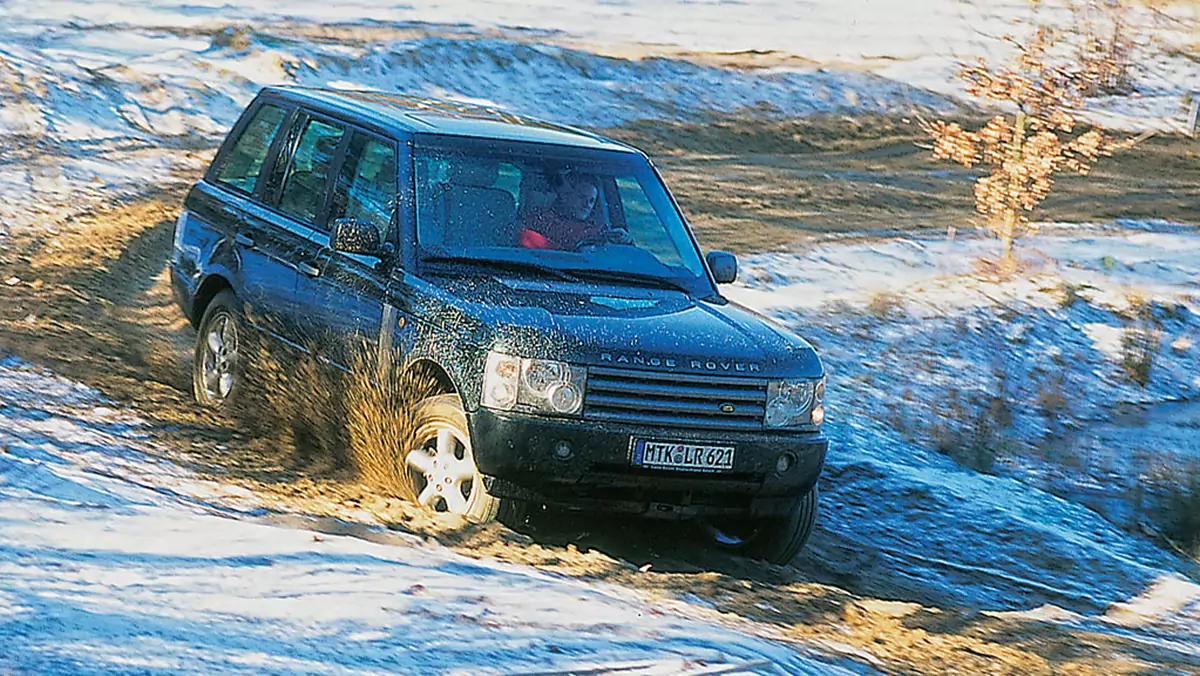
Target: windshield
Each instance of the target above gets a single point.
(585, 211)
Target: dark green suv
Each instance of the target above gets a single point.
(546, 276)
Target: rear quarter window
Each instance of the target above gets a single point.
(241, 167)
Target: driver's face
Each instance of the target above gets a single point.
(578, 198)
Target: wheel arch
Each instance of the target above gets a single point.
(209, 288)
(443, 383)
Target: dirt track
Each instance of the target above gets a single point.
(92, 303)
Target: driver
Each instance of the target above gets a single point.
(566, 224)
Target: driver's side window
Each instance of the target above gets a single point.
(366, 188)
(643, 224)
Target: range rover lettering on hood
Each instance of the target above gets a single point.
(672, 363)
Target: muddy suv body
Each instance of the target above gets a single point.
(608, 374)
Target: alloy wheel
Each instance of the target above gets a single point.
(219, 358)
(442, 469)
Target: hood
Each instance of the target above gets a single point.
(605, 324)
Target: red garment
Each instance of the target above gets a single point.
(550, 230)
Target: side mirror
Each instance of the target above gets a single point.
(355, 237)
(723, 266)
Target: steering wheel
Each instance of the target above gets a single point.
(604, 238)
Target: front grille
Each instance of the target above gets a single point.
(675, 399)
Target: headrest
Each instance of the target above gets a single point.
(327, 144)
(475, 172)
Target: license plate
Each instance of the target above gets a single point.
(674, 455)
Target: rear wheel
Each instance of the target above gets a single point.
(776, 540)
(441, 465)
(221, 354)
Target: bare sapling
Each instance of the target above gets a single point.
(1043, 88)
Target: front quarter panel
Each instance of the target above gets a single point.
(430, 329)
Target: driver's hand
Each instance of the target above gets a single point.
(610, 236)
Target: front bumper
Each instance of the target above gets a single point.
(516, 454)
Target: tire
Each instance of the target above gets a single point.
(441, 466)
(515, 513)
(775, 540)
(223, 350)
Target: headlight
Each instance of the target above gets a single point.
(537, 385)
(792, 403)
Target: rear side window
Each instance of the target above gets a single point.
(366, 187)
(245, 160)
(304, 187)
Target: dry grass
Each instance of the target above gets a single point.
(969, 428)
(1070, 294)
(755, 185)
(1140, 341)
(885, 305)
(1139, 345)
(297, 401)
(1052, 400)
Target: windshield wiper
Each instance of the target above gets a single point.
(627, 276)
(505, 264)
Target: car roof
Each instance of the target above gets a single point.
(427, 116)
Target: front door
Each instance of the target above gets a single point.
(345, 295)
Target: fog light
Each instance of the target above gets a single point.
(562, 450)
(564, 398)
(785, 462)
(818, 415)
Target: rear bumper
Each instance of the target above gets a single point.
(183, 292)
(516, 454)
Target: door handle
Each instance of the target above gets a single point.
(309, 269)
(234, 215)
(243, 240)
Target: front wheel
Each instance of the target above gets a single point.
(441, 465)
(776, 540)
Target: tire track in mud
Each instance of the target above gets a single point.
(93, 303)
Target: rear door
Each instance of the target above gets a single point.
(259, 259)
(298, 196)
(345, 295)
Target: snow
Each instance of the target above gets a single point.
(109, 563)
(929, 360)
(917, 43)
(131, 84)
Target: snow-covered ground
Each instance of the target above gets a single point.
(113, 561)
(922, 352)
(918, 42)
(1063, 324)
(103, 99)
